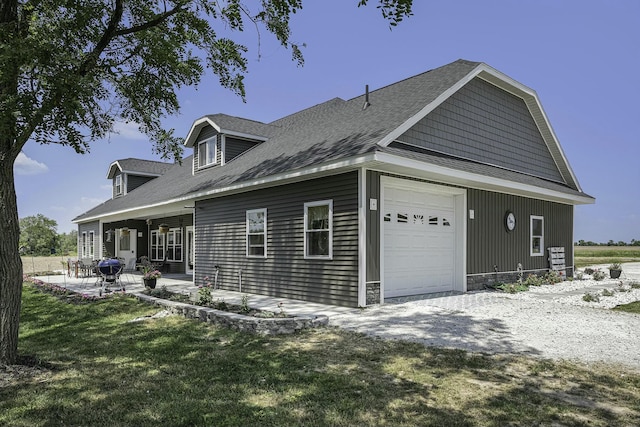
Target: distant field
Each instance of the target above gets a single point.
(584, 256)
(40, 264)
(589, 255)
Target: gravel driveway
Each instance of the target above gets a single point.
(549, 321)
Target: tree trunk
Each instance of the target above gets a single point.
(10, 266)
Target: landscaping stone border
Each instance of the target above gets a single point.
(240, 322)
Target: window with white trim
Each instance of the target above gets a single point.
(318, 229)
(91, 245)
(257, 233)
(83, 245)
(157, 245)
(118, 185)
(537, 235)
(207, 152)
(174, 244)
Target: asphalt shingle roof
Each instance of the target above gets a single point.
(330, 131)
(146, 167)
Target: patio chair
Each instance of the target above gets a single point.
(129, 269)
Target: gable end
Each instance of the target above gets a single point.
(484, 123)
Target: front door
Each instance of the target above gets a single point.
(127, 244)
(190, 250)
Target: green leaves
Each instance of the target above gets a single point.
(72, 69)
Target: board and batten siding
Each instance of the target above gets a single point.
(484, 123)
(489, 244)
(221, 241)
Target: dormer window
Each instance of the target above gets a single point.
(207, 152)
(118, 189)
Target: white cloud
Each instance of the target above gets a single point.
(27, 166)
(129, 131)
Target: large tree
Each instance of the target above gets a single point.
(70, 69)
(38, 235)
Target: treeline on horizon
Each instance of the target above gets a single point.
(633, 242)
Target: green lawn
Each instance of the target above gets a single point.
(592, 255)
(108, 371)
(633, 307)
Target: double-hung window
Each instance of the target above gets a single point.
(83, 245)
(174, 244)
(207, 152)
(118, 185)
(91, 245)
(257, 233)
(318, 229)
(157, 245)
(537, 235)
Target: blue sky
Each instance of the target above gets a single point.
(581, 57)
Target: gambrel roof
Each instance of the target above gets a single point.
(340, 135)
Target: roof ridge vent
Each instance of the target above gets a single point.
(366, 97)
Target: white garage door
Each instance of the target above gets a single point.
(419, 240)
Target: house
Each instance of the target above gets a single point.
(444, 181)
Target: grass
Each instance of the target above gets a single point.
(633, 307)
(107, 371)
(593, 255)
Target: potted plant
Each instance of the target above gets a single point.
(150, 277)
(150, 274)
(615, 270)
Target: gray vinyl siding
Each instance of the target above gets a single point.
(489, 244)
(487, 124)
(221, 240)
(234, 147)
(135, 181)
(97, 240)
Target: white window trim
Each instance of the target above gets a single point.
(83, 245)
(264, 232)
(533, 218)
(306, 209)
(174, 245)
(91, 245)
(160, 238)
(119, 185)
(214, 140)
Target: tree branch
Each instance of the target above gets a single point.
(92, 58)
(159, 19)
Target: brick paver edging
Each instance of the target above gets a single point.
(239, 322)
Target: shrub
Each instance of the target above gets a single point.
(607, 293)
(598, 275)
(553, 277)
(244, 305)
(635, 285)
(533, 280)
(204, 295)
(511, 288)
(589, 297)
